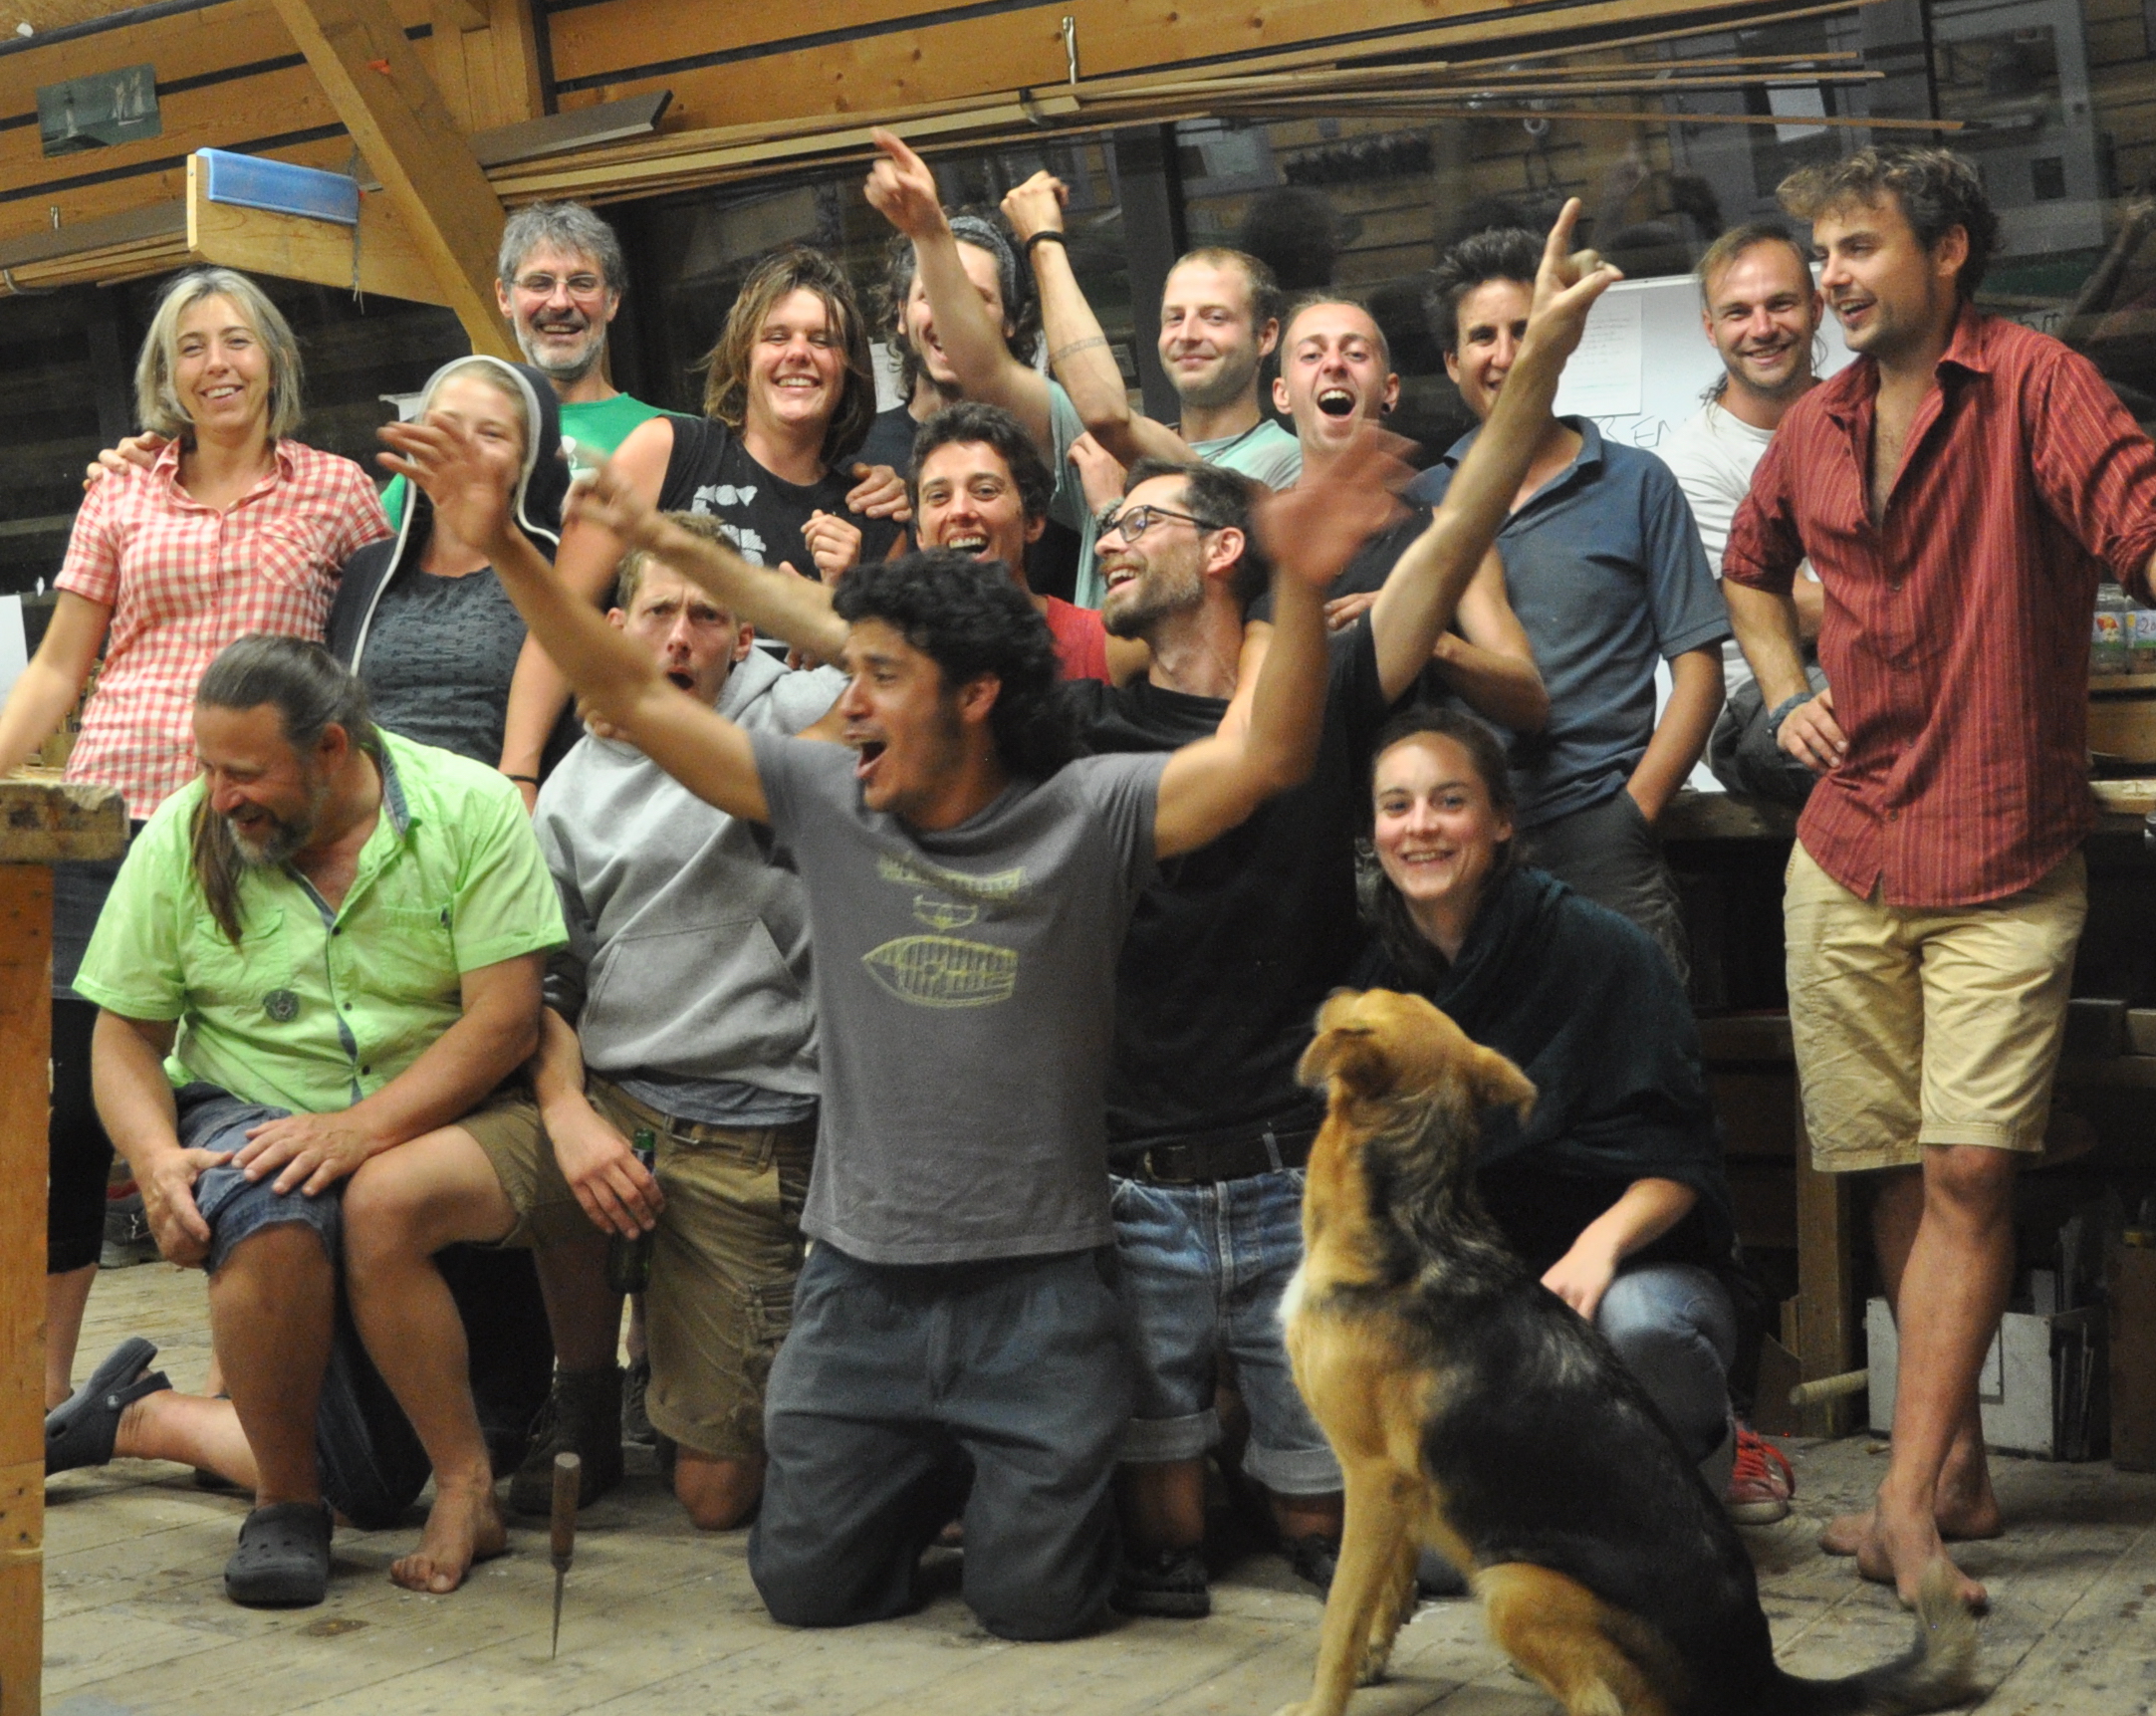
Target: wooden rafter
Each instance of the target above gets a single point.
(382, 94)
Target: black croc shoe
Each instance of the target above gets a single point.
(283, 1558)
(79, 1430)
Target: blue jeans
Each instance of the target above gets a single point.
(1204, 1268)
(372, 1464)
(1673, 1326)
(905, 1391)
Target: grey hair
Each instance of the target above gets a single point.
(156, 403)
(566, 227)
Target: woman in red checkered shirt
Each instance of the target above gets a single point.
(232, 527)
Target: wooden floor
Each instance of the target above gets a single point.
(661, 1620)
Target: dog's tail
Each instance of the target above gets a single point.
(1937, 1673)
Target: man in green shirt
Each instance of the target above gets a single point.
(559, 278)
(319, 968)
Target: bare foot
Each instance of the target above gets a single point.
(1962, 1520)
(1899, 1549)
(464, 1526)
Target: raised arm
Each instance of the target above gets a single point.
(1488, 661)
(1423, 591)
(903, 192)
(585, 562)
(1079, 351)
(1311, 532)
(622, 683)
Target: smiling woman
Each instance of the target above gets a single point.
(232, 528)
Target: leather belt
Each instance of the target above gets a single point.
(1226, 1156)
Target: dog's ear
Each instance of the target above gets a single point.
(1350, 1056)
(1498, 1083)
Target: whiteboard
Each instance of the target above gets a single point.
(1644, 361)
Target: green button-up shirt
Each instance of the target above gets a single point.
(314, 1009)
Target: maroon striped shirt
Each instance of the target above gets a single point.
(1955, 632)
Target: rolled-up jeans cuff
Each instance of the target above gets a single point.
(1293, 1471)
(1156, 1441)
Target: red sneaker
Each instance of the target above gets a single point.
(1761, 1481)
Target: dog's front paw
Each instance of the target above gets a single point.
(1374, 1662)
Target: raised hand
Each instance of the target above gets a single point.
(1313, 530)
(1037, 205)
(605, 499)
(902, 190)
(443, 457)
(1567, 285)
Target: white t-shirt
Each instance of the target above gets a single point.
(1713, 454)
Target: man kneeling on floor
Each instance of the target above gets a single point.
(317, 970)
(693, 1021)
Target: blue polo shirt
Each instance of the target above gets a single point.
(1605, 568)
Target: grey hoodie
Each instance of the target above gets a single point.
(688, 946)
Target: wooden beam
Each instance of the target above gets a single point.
(461, 15)
(1825, 1285)
(397, 116)
(26, 964)
(293, 247)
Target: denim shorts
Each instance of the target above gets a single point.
(373, 1466)
(1204, 1268)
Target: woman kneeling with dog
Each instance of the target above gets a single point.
(1613, 1191)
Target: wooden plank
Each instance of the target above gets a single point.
(44, 820)
(291, 247)
(1825, 1285)
(26, 970)
(396, 115)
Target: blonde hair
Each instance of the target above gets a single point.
(491, 371)
(158, 405)
(628, 576)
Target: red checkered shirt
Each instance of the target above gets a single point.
(182, 581)
(1956, 631)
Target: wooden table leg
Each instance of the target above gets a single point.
(26, 963)
(1826, 1286)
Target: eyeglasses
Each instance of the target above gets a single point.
(1134, 522)
(580, 285)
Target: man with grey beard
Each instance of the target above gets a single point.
(559, 278)
(316, 976)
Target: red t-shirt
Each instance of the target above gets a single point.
(1082, 641)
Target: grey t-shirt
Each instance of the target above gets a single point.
(440, 652)
(965, 989)
(1264, 452)
(1606, 571)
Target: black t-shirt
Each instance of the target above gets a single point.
(710, 472)
(1372, 564)
(890, 440)
(1231, 951)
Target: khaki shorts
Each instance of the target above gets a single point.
(722, 1275)
(507, 1127)
(1918, 1026)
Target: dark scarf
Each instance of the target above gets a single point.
(1584, 1004)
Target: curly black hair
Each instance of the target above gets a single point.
(968, 624)
(1497, 253)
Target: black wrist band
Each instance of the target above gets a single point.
(528, 779)
(1782, 708)
(1049, 237)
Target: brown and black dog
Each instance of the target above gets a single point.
(1473, 1411)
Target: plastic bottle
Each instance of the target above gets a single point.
(2111, 646)
(2141, 643)
(629, 1261)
